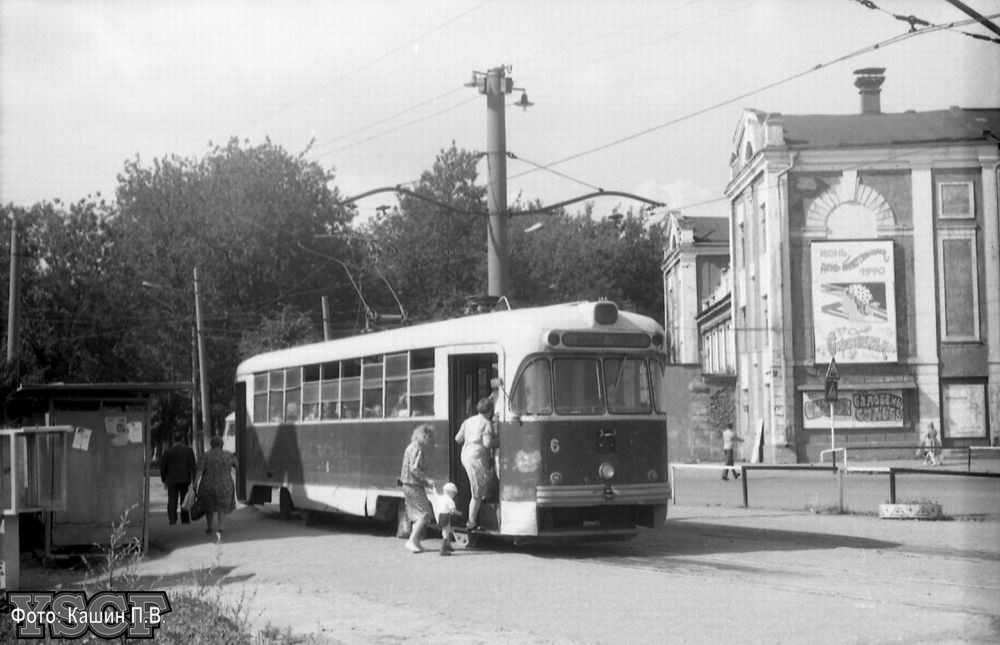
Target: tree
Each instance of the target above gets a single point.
(247, 216)
(73, 312)
(575, 257)
(288, 328)
(434, 257)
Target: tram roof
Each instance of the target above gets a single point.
(515, 329)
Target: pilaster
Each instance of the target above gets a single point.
(924, 311)
(991, 275)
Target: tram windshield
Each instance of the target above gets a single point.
(587, 386)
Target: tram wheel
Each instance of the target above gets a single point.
(285, 504)
(308, 518)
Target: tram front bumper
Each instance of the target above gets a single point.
(601, 495)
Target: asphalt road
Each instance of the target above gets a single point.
(717, 572)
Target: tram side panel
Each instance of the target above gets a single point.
(338, 467)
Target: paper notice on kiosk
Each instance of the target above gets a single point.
(81, 439)
(135, 431)
(117, 427)
(114, 425)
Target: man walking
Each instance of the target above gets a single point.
(729, 440)
(177, 470)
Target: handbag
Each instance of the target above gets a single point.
(197, 509)
(188, 500)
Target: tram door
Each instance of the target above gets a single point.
(469, 377)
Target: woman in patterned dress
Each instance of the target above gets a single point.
(216, 489)
(414, 479)
(477, 437)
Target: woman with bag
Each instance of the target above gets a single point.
(216, 490)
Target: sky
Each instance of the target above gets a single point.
(641, 96)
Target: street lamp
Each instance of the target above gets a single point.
(206, 422)
(496, 85)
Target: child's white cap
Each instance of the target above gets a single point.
(451, 488)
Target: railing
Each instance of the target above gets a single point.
(987, 449)
(891, 471)
(921, 471)
(786, 467)
(969, 450)
(885, 446)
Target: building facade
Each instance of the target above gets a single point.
(699, 342)
(871, 239)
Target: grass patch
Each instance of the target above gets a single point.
(199, 614)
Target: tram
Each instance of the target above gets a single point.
(579, 413)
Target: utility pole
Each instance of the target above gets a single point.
(14, 303)
(496, 196)
(206, 420)
(326, 317)
(10, 525)
(496, 85)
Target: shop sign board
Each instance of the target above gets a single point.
(853, 409)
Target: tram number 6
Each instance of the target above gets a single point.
(554, 445)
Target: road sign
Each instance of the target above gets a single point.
(832, 376)
(832, 373)
(831, 391)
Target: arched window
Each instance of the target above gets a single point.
(851, 220)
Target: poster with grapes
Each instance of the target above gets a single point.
(854, 301)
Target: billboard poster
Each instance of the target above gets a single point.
(854, 301)
(964, 407)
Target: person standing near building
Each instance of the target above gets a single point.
(729, 440)
(177, 470)
(930, 447)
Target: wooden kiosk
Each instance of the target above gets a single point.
(107, 459)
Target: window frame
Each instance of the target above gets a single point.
(970, 193)
(968, 235)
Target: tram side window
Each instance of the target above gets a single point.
(293, 393)
(578, 386)
(371, 387)
(533, 391)
(260, 397)
(350, 389)
(397, 367)
(627, 385)
(310, 392)
(329, 394)
(422, 383)
(276, 396)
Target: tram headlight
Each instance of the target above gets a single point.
(556, 478)
(606, 471)
(657, 339)
(553, 338)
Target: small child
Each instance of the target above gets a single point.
(445, 510)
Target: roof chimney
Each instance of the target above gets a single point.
(869, 82)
